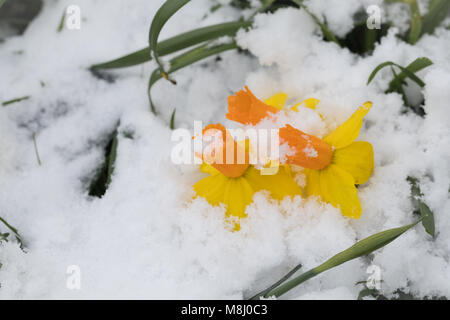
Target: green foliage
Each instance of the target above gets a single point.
(359, 249)
(102, 178)
(5, 103)
(188, 58)
(169, 8)
(397, 83)
(438, 10)
(176, 43)
(172, 119)
(425, 212)
(61, 22)
(5, 236)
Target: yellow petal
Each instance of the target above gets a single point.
(337, 187)
(312, 187)
(279, 185)
(211, 188)
(237, 195)
(277, 100)
(356, 159)
(347, 132)
(207, 168)
(309, 103)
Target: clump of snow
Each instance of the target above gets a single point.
(147, 237)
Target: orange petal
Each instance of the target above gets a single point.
(309, 151)
(232, 164)
(245, 108)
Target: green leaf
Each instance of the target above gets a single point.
(438, 10)
(415, 29)
(378, 68)
(161, 17)
(416, 22)
(2, 2)
(102, 178)
(425, 212)
(172, 119)
(61, 22)
(5, 103)
(413, 67)
(14, 230)
(176, 43)
(112, 159)
(186, 59)
(327, 34)
(361, 248)
(276, 284)
(366, 292)
(428, 218)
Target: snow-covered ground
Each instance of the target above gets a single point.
(147, 238)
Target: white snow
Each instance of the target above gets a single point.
(147, 238)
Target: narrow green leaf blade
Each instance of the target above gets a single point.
(428, 218)
(176, 43)
(199, 53)
(378, 68)
(416, 22)
(438, 10)
(361, 248)
(412, 76)
(112, 159)
(276, 284)
(62, 21)
(172, 119)
(169, 8)
(327, 34)
(426, 214)
(14, 230)
(5, 103)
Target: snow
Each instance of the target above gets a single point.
(147, 238)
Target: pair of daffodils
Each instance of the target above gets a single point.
(333, 166)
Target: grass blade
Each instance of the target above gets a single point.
(413, 67)
(5, 103)
(409, 71)
(424, 211)
(188, 58)
(111, 160)
(438, 10)
(14, 230)
(416, 22)
(176, 43)
(62, 21)
(276, 284)
(161, 17)
(378, 68)
(327, 34)
(361, 248)
(172, 119)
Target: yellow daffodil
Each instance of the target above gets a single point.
(333, 165)
(234, 184)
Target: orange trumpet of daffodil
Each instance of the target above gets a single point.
(233, 183)
(332, 165)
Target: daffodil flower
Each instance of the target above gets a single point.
(333, 165)
(234, 184)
